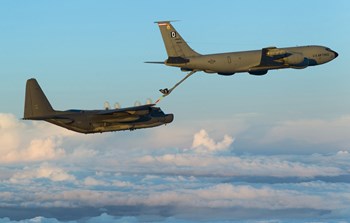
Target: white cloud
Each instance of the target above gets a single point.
(53, 173)
(203, 164)
(9, 136)
(119, 183)
(182, 132)
(90, 181)
(6, 196)
(83, 153)
(343, 153)
(19, 143)
(203, 143)
(35, 141)
(44, 171)
(105, 218)
(38, 149)
(216, 196)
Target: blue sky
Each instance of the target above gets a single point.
(281, 139)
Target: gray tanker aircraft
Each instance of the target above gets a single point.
(255, 62)
(37, 107)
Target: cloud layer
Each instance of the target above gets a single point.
(51, 172)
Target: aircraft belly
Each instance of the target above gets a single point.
(74, 126)
(107, 127)
(145, 122)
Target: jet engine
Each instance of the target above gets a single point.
(294, 59)
(276, 52)
(258, 72)
(226, 74)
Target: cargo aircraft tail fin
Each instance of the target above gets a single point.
(36, 104)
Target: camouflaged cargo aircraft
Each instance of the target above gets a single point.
(37, 107)
(255, 62)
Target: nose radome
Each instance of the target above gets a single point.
(335, 54)
(169, 118)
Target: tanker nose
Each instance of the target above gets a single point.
(335, 54)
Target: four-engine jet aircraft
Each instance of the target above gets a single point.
(37, 107)
(256, 62)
